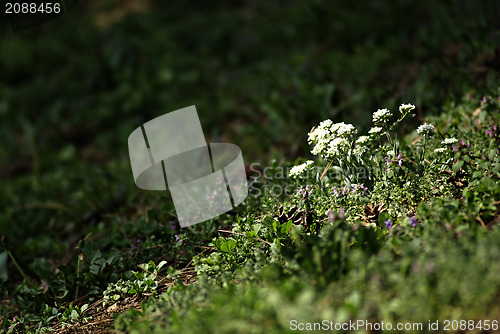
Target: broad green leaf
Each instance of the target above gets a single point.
(228, 245)
(286, 227)
(457, 166)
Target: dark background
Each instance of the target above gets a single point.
(261, 74)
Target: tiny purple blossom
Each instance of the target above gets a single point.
(331, 216)
(413, 221)
(388, 224)
(483, 100)
(172, 225)
(345, 190)
(341, 213)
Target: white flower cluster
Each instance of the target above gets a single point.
(337, 146)
(299, 169)
(375, 129)
(440, 150)
(449, 141)
(381, 116)
(363, 140)
(359, 150)
(321, 132)
(330, 138)
(425, 128)
(342, 129)
(405, 108)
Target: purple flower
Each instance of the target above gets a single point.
(172, 225)
(177, 238)
(341, 213)
(388, 224)
(413, 221)
(136, 247)
(331, 216)
(345, 190)
(335, 191)
(491, 132)
(483, 100)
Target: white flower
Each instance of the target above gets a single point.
(299, 169)
(375, 129)
(326, 138)
(336, 146)
(381, 116)
(359, 150)
(406, 107)
(342, 129)
(320, 147)
(390, 152)
(363, 139)
(449, 141)
(321, 132)
(440, 150)
(425, 128)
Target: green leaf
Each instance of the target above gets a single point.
(286, 227)
(160, 265)
(228, 245)
(457, 166)
(492, 154)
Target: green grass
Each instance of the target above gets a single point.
(261, 75)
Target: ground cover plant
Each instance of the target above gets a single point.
(371, 145)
